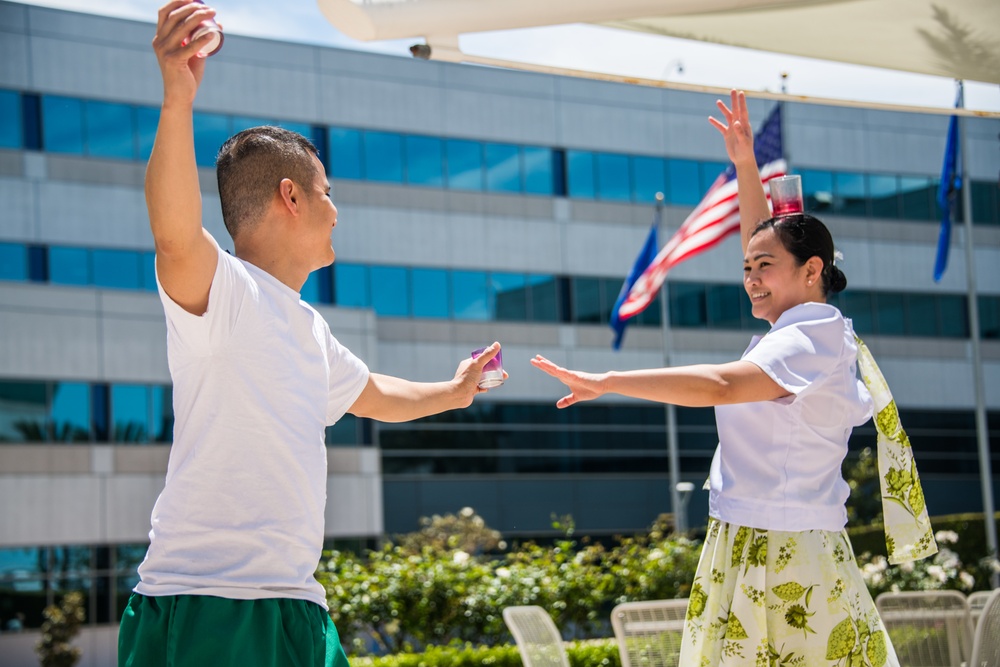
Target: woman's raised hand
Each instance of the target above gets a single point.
(736, 130)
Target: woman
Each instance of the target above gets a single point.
(777, 582)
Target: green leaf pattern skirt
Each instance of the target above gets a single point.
(770, 598)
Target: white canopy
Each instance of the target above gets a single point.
(953, 38)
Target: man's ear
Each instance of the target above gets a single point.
(289, 194)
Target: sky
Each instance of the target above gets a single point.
(593, 48)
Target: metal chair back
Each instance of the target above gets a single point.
(986, 645)
(649, 632)
(928, 628)
(537, 637)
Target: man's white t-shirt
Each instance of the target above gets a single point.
(778, 463)
(257, 378)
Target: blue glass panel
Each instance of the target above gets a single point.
(883, 189)
(850, 194)
(953, 316)
(891, 312)
(31, 121)
(613, 181)
(344, 160)
(100, 411)
(817, 190)
(344, 432)
(503, 168)
(69, 418)
(117, 268)
(989, 318)
(424, 161)
(649, 317)
(110, 130)
(390, 293)
(580, 178)
(859, 307)
(146, 121)
(918, 194)
(351, 285)
(985, 204)
(586, 300)
(509, 297)
(22, 411)
(241, 123)
(538, 174)
(710, 172)
(310, 289)
(543, 295)
(430, 292)
(687, 305)
(723, 303)
(162, 421)
(470, 295)
(464, 164)
(921, 315)
(210, 132)
(13, 261)
(62, 124)
(649, 176)
(305, 129)
(23, 562)
(383, 157)
(10, 119)
(148, 262)
(69, 266)
(683, 182)
(130, 413)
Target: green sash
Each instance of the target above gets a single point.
(908, 533)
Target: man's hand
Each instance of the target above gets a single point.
(181, 64)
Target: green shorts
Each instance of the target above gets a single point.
(201, 630)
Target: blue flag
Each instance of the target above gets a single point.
(951, 184)
(645, 258)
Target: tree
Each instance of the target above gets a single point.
(61, 626)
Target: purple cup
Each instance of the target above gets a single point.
(205, 27)
(786, 195)
(493, 370)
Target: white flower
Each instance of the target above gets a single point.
(946, 537)
(937, 572)
(466, 512)
(655, 554)
(460, 557)
(968, 581)
(503, 572)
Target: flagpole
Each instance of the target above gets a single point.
(673, 459)
(982, 431)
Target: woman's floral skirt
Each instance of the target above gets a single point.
(769, 598)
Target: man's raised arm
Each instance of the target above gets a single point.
(186, 255)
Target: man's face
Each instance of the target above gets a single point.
(320, 217)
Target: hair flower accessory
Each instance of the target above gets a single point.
(837, 257)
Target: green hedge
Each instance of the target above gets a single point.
(592, 653)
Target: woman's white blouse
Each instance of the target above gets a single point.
(778, 463)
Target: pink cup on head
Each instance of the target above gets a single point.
(205, 27)
(493, 370)
(786, 195)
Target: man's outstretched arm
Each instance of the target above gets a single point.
(186, 255)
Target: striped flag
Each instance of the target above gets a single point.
(716, 217)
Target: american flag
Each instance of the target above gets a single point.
(716, 217)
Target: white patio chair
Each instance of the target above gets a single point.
(649, 632)
(537, 637)
(986, 645)
(928, 628)
(977, 601)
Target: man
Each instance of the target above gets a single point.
(237, 531)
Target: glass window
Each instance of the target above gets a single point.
(985, 204)
(210, 132)
(469, 295)
(148, 264)
(69, 266)
(989, 317)
(383, 157)
(310, 288)
(305, 129)
(648, 177)
(723, 306)
(464, 164)
(953, 316)
(710, 172)
(613, 181)
(62, 124)
(69, 418)
(610, 289)
(21, 562)
(390, 293)
(581, 180)
(430, 292)
(509, 296)
(918, 194)
(110, 130)
(424, 161)
(538, 170)
(921, 315)
(22, 411)
(586, 294)
(849, 194)
(687, 304)
(351, 285)
(117, 268)
(651, 316)
(146, 120)
(884, 192)
(817, 190)
(344, 160)
(891, 314)
(10, 119)
(683, 182)
(13, 261)
(503, 168)
(543, 298)
(858, 306)
(162, 419)
(241, 123)
(38, 263)
(344, 432)
(130, 413)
